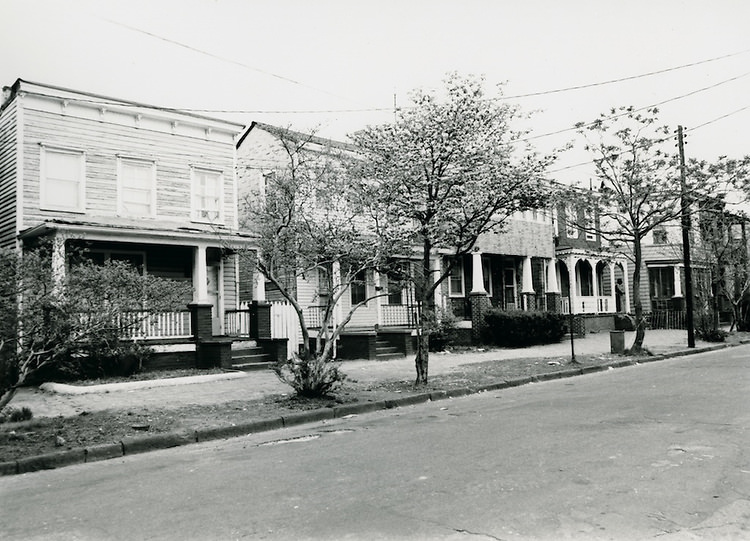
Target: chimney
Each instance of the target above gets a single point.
(7, 95)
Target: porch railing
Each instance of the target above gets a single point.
(602, 304)
(237, 321)
(314, 316)
(150, 325)
(398, 315)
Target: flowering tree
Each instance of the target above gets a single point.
(449, 169)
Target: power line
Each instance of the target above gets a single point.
(622, 79)
(383, 109)
(661, 140)
(640, 108)
(222, 58)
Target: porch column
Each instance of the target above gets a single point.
(477, 276)
(200, 274)
(613, 287)
(336, 281)
(440, 299)
(553, 289)
(677, 282)
(527, 284)
(573, 286)
(626, 283)
(381, 287)
(478, 296)
(259, 284)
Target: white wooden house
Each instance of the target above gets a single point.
(127, 181)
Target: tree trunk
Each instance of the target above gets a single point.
(427, 308)
(640, 323)
(7, 396)
(421, 362)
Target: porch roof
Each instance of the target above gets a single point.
(141, 234)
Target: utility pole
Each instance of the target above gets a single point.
(685, 211)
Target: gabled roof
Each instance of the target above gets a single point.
(279, 132)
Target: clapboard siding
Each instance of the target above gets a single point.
(8, 175)
(102, 143)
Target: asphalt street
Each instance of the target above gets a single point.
(650, 451)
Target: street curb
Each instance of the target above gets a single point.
(242, 429)
(141, 444)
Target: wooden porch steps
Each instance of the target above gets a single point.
(384, 351)
(251, 358)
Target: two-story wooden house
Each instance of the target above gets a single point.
(593, 279)
(126, 181)
(512, 269)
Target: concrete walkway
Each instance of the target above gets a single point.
(66, 400)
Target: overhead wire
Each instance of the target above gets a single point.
(661, 140)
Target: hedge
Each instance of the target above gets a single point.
(521, 329)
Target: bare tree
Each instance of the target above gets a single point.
(73, 325)
(640, 185)
(311, 229)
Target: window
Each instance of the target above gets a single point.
(588, 217)
(487, 275)
(509, 287)
(136, 187)
(660, 236)
(571, 219)
(62, 180)
(456, 280)
(207, 195)
(136, 260)
(359, 288)
(661, 281)
(324, 281)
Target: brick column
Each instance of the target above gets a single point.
(260, 320)
(200, 320)
(209, 351)
(480, 302)
(554, 303)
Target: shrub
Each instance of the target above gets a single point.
(311, 378)
(15, 415)
(441, 326)
(520, 329)
(711, 335)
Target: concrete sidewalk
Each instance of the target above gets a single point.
(64, 400)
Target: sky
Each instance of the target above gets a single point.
(338, 65)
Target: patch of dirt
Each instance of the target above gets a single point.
(49, 435)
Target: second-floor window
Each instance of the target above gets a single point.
(207, 195)
(589, 224)
(136, 187)
(62, 180)
(571, 222)
(660, 236)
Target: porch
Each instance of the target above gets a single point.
(592, 283)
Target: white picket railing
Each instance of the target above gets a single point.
(143, 325)
(284, 324)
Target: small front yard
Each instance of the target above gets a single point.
(48, 435)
